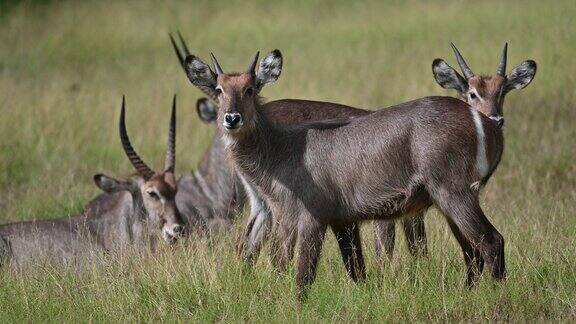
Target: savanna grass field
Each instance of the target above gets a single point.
(64, 66)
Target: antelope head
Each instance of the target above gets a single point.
(155, 191)
(484, 93)
(235, 93)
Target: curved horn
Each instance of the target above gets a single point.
(217, 67)
(136, 161)
(170, 161)
(463, 66)
(252, 67)
(501, 71)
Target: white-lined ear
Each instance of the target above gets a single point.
(207, 110)
(201, 76)
(447, 77)
(521, 76)
(270, 69)
(112, 185)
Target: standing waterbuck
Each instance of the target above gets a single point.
(218, 178)
(133, 213)
(430, 151)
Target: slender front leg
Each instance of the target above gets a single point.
(472, 257)
(348, 238)
(415, 234)
(283, 239)
(384, 237)
(255, 235)
(475, 233)
(310, 238)
(258, 226)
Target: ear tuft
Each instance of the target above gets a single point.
(447, 77)
(521, 76)
(207, 110)
(270, 68)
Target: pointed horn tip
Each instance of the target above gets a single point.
(174, 106)
(501, 70)
(173, 41)
(215, 64)
(252, 66)
(123, 105)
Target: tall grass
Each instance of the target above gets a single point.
(64, 66)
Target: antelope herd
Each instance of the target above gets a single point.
(303, 166)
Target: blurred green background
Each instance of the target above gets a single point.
(64, 66)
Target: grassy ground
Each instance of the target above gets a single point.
(65, 65)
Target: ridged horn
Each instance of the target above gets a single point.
(501, 71)
(463, 66)
(252, 67)
(217, 67)
(170, 162)
(134, 158)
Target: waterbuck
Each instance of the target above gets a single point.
(218, 178)
(133, 213)
(396, 161)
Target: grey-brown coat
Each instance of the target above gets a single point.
(133, 214)
(435, 150)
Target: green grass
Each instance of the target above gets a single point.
(64, 66)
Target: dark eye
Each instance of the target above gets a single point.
(249, 91)
(218, 90)
(153, 195)
(473, 95)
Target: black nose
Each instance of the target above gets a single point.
(499, 120)
(232, 120)
(178, 229)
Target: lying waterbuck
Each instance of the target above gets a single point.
(214, 186)
(434, 150)
(132, 214)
